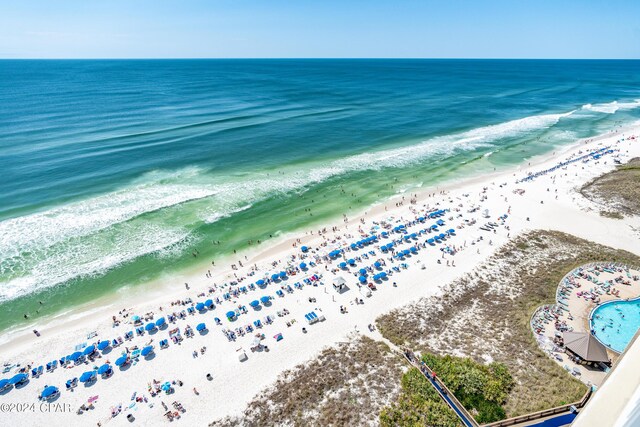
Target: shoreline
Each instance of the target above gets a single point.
(160, 286)
(263, 368)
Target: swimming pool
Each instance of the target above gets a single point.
(616, 322)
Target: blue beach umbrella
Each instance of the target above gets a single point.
(121, 360)
(150, 326)
(104, 369)
(199, 306)
(135, 318)
(274, 277)
(201, 327)
(74, 356)
(283, 274)
(363, 271)
(343, 264)
(414, 235)
(352, 261)
(304, 249)
(260, 282)
(384, 234)
(87, 376)
(254, 303)
(231, 314)
(3, 383)
(376, 277)
(160, 321)
(354, 246)
(377, 264)
(413, 249)
(146, 351)
(362, 279)
(16, 379)
(89, 350)
(49, 391)
(383, 274)
(264, 300)
(166, 386)
(208, 303)
(103, 345)
(303, 265)
(383, 248)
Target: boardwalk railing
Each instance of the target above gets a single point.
(542, 414)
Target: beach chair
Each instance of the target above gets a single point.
(280, 293)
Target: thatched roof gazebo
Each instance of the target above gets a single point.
(586, 346)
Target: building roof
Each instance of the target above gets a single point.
(586, 346)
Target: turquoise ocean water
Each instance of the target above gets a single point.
(115, 172)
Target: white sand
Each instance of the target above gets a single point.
(235, 383)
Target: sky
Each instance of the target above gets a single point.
(319, 29)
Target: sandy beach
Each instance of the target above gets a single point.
(206, 377)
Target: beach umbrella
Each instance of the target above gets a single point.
(354, 246)
(377, 264)
(274, 277)
(146, 351)
(376, 277)
(254, 303)
(264, 299)
(352, 261)
(363, 271)
(384, 234)
(201, 327)
(383, 274)
(18, 378)
(442, 236)
(362, 279)
(414, 235)
(160, 321)
(303, 265)
(231, 314)
(166, 386)
(406, 252)
(343, 264)
(103, 345)
(87, 376)
(278, 337)
(150, 326)
(304, 249)
(74, 356)
(383, 248)
(49, 391)
(208, 303)
(421, 219)
(121, 360)
(430, 241)
(260, 282)
(135, 318)
(104, 369)
(413, 249)
(89, 350)
(452, 231)
(3, 383)
(199, 306)
(283, 274)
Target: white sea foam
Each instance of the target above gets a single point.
(612, 107)
(94, 235)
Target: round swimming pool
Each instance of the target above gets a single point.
(615, 323)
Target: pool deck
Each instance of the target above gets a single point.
(577, 317)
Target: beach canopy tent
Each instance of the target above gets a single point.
(586, 346)
(201, 327)
(89, 350)
(199, 306)
(103, 345)
(304, 249)
(264, 299)
(17, 379)
(146, 351)
(150, 326)
(49, 391)
(254, 303)
(104, 369)
(121, 360)
(160, 321)
(303, 265)
(340, 285)
(87, 376)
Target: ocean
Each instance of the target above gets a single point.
(115, 172)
